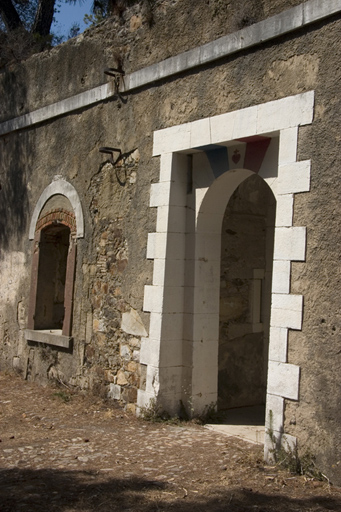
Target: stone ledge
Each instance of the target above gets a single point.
(48, 336)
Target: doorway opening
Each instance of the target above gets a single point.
(247, 242)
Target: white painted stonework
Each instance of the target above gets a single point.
(63, 187)
(181, 351)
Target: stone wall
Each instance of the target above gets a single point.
(111, 268)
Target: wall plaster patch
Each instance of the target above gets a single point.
(192, 299)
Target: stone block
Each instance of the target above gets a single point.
(172, 326)
(283, 380)
(171, 353)
(288, 146)
(207, 247)
(144, 399)
(284, 210)
(176, 245)
(155, 325)
(173, 300)
(170, 378)
(175, 272)
(177, 219)
(132, 324)
(285, 113)
(274, 416)
(245, 124)
(121, 378)
(166, 164)
(209, 223)
(294, 178)
(156, 245)
(153, 298)
(281, 276)
(162, 219)
(222, 127)
(206, 300)
(278, 344)
(170, 140)
(150, 351)
(114, 392)
(159, 272)
(205, 327)
(136, 355)
(200, 133)
(160, 194)
(286, 311)
(152, 380)
(290, 244)
(125, 352)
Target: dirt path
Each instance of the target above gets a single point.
(68, 452)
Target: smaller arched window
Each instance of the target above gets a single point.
(52, 274)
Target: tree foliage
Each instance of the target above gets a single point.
(25, 25)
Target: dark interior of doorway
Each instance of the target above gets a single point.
(245, 301)
(54, 247)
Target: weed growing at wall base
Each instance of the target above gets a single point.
(287, 457)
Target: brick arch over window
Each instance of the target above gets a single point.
(55, 226)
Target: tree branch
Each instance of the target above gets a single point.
(9, 15)
(44, 17)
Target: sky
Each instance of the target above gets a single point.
(70, 14)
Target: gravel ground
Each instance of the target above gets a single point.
(64, 451)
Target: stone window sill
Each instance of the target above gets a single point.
(48, 336)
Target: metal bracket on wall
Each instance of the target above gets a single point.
(117, 74)
(111, 151)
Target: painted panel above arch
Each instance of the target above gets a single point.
(61, 187)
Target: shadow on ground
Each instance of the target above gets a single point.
(80, 491)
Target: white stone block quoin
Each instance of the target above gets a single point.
(290, 244)
(156, 245)
(288, 146)
(283, 380)
(143, 400)
(153, 298)
(274, 413)
(153, 380)
(294, 178)
(160, 193)
(166, 165)
(286, 311)
(150, 351)
(172, 139)
(284, 210)
(278, 344)
(162, 219)
(281, 276)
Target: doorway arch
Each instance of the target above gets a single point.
(245, 295)
(183, 308)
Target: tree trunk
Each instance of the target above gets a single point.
(10, 15)
(44, 17)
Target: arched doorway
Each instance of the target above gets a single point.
(247, 241)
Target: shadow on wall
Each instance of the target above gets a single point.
(57, 491)
(16, 156)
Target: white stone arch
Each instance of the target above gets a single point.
(173, 299)
(63, 187)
